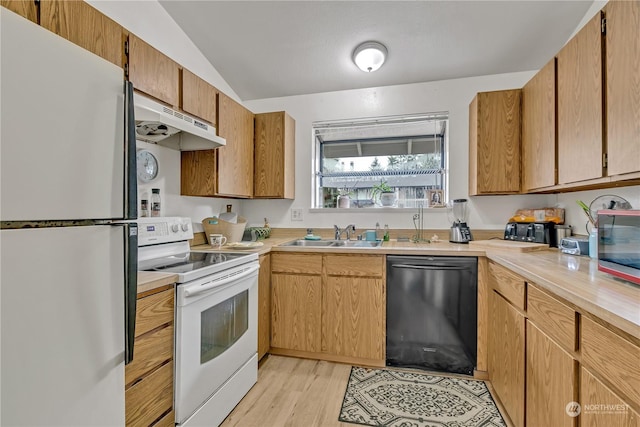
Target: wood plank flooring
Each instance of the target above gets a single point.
(294, 392)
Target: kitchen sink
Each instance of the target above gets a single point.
(333, 243)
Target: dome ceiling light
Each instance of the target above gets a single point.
(369, 56)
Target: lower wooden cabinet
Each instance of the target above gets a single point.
(506, 357)
(551, 381)
(264, 306)
(329, 307)
(599, 406)
(149, 377)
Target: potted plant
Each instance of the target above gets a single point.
(385, 193)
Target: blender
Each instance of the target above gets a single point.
(458, 214)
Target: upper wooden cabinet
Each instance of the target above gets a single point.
(85, 26)
(274, 168)
(198, 97)
(153, 73)
(25, 8)
(539, 129)
(235, 160)
(623, 86)
(580, 144)
(494, 143)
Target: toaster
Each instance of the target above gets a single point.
(575, 245)
(534, 232)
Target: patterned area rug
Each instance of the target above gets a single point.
(377, 397)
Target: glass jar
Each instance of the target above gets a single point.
(155, 202)
(343, 201)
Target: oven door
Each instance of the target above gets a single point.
(216, 333)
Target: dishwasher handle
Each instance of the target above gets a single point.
(429, 267)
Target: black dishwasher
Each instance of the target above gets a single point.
(432, 312)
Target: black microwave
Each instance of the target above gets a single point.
(619, 243)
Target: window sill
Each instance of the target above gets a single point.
(375, 210)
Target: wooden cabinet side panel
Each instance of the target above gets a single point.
(354, 319)
(85, 26)
(24, 8)
(198, 97)
(198, 175)
(153, 73)
(264, 305)
(550, 381)
(507, 357)
(289, 157)
(623, 86)
(473, 146)
(235, 164)
(153, 311)
(147, 400)
(602, 407)
(612, 357)
(580, 106)
(539, 129)
(296, 312)
(498, 151)
(269, 155)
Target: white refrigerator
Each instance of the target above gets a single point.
(67, 253)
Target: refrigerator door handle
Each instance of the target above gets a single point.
(130, 288)
(130, 178)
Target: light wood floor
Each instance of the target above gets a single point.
(297, 393)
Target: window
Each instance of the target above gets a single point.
(395, 162)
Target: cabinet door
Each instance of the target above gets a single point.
(602, 407)
(264, 305)
(85, 26)
(198, 173)
(580, 105)
(506, 356)
(539, 129)
(623, 86)
(24, 8)
(295, 312)
(494, 143)
(198, 97)
(235, 160)
(354, 317)
(274, 169)
(550, 381)
(153, 73)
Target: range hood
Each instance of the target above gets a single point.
(159, 124)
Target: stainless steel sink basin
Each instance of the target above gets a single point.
(302, 242)
(333, 243)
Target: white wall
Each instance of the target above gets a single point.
(453, 96)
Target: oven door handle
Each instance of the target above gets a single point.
(220, 283)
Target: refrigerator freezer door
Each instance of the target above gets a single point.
(62, 143)
(62, 326)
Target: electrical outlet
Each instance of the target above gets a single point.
(296, 214)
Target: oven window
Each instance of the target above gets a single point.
(222, 325)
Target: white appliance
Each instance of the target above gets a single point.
(216, 360)
(159, 124)
(68, 276)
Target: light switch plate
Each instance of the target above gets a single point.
(296, 214)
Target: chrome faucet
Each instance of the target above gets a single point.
(348, 229)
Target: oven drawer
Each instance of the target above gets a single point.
(153, 311)
(151, 397)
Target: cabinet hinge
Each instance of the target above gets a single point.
(603, 26)
(126, 47)
(604, 160)
(126, 70)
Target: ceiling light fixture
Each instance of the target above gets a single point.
(369, 56)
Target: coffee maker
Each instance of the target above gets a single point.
(458, 214)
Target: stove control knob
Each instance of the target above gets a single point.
(185, 227)
(174, 228)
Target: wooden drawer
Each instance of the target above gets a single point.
(153, 311)
(612, 357)
(355, 265)
(553, 317)
(151, 350)
(508, 284)
(150, 398)
(296, 263)
(168, 420)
